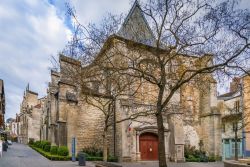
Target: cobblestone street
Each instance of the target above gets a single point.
(19, 155)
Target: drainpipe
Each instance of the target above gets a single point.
(242, 110)
(114, 128)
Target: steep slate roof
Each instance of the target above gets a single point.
(136, 27)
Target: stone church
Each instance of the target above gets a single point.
(66, 115)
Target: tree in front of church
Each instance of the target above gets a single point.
(99, 81)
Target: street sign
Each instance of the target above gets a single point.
(73, 149)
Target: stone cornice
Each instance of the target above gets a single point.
(69, 60)
(66, 82)
(209, 114)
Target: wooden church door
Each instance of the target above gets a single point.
(149, 146)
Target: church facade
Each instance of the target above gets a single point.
(66, 113)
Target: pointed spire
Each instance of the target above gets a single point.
(28, 87)
(137, 3)
(135, 27)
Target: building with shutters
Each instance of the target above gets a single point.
(235, 114)
(2, 105)
(232, 117)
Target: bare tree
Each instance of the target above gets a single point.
(192, 41)
(100, 83)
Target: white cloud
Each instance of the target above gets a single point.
(93, 11)
(31, 32)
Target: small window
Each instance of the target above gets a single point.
(233, 148)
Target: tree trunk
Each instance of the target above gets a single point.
(236, 144)
(161, 145)
(105, 146)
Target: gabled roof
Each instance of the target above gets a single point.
(230, 95)
(136, 28)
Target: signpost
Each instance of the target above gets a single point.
(73, 149)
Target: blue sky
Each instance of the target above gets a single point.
(31, 31)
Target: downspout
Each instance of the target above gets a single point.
(242, 110)
(114, 128)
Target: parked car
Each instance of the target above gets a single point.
(9, 142)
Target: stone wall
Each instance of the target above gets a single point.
(30, 116)
(202, 120)
(66, 115)
(35, 123)
(89, 129)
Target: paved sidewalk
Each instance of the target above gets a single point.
(19, 155)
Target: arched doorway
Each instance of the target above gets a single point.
(148, 146)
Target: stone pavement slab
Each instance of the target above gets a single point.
(187, 164)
